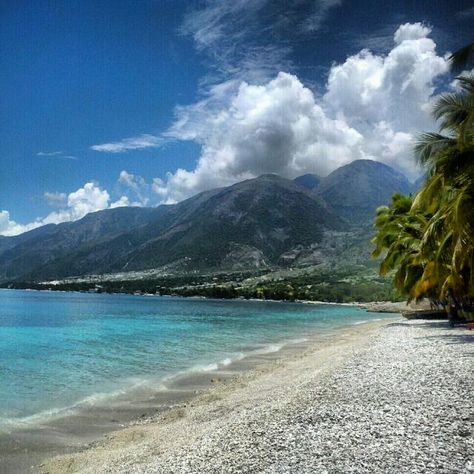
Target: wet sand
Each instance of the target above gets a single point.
(24, 449)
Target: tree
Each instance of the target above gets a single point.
(400, 234)
(428, 240)
(449, 190)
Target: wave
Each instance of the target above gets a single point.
(9, 424)
(366, 321)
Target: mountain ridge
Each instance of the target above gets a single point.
(261, 222)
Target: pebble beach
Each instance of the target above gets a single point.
(380, 397)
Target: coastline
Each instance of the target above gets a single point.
(341, 406)
(86, 422)
(370, 306)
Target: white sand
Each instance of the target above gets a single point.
(380, 397)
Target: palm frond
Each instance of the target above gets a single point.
(429, 144)
(466, 83)
(462, 58)
(452, 110)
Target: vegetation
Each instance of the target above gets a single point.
(428, 239)
(342, 286)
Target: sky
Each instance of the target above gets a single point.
(107, 103)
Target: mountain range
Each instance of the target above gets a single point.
(265, 222)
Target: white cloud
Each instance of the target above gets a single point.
(9, 227)
(123, 201)
(136, 186)
(389, 97)
(134, 143)
(249, 130)
(49, 153)
(73, 206)
(56, 154)
(372, 108)
(55, 199)
(89, 198)
(243, 38)
(411, 31)
(316, 17)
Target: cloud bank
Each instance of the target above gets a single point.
(372, 108)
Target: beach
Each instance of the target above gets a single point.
(385, 396)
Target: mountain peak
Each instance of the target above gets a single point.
(355, 190)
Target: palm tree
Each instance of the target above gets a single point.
(449, 190)
(400, 234)
(429, 239)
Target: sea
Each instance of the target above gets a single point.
(62, 352)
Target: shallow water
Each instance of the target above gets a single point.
(60, 352)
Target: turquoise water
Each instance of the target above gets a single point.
(60, 350)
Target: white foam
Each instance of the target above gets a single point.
(269, 349)
(9, 424)
(99, 398)
(209, 367)
(367, 321)
(298, 341)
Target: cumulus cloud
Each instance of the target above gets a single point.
(134, 143)
(9, 227)
(372, 108)
(123, 201)
(132, 190)
(89, 198)
(411, 31)
(388, 98)
(277, 127)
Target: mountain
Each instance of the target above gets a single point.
(266, 222)
(45, 245)
(355, 190)
(308, 181)
(256, 221)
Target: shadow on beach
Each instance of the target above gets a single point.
(450, 335)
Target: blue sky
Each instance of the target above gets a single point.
(152, 101)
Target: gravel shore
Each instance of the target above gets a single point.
(378, 398)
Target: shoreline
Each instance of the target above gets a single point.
(73, 428)
(222, 385)
(371, 306)
(377, 397)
